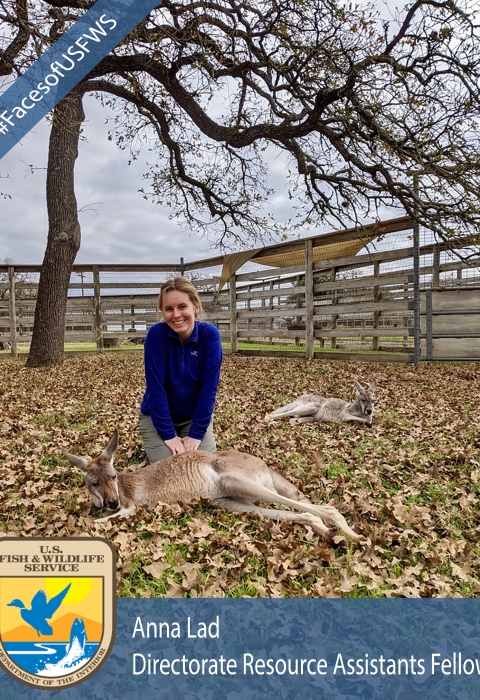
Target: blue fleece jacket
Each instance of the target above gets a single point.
(182, 380)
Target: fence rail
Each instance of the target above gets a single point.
(356, 306)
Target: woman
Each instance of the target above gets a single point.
(182, 358)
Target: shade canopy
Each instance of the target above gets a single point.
(329, 246)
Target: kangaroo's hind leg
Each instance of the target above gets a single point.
(297, 409)
(236, 485)
(242, 505)
(279, 412)
(286, 488)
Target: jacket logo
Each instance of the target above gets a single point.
(194, 353)
(57, 608)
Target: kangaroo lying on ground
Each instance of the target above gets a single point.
(310, 407)
(231, 480)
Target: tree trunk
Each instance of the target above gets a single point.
(47, 347)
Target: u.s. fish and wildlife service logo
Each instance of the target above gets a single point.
(57, 608)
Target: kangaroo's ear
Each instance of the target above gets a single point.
(372, 386)
(109, 451)
(79, 462)
(359, 387)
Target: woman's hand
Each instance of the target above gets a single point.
(190, 444)
(175, 445)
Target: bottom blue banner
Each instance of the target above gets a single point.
(286, 649)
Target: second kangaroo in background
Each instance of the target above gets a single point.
(310, 407)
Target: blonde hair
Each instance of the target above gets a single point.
(180, 284)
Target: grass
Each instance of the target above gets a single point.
(410, 484)
(73, 347)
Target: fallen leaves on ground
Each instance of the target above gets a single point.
(409, 484)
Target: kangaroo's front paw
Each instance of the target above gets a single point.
(111, 514)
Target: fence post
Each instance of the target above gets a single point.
(309, 327)
(376, 299)
(13, 313)
(333, 275)
(416, 283)
(233, 314)
(436, 267)
(270, 306)
(428, 323)
(97, 304)
(298, 319)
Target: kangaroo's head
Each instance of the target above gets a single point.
(364, 401)
(100, 475)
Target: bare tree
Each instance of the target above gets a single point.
(360, 104)
(63, 239)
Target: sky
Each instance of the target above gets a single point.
(118, 225)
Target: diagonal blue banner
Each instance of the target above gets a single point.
(65, 63)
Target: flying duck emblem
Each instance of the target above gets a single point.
(41, 610)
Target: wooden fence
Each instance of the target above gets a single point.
(354, 307)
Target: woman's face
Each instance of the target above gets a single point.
(179, 313)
